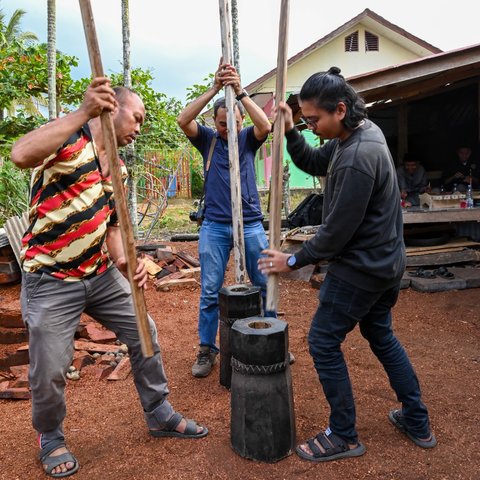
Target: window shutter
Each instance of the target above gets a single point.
(371, 42)
(351, 42)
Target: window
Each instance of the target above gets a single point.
(371, 42)
(351, 42)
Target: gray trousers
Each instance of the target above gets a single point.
(51, 310)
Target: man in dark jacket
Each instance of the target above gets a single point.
(362, 237)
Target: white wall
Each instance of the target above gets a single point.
(351, 63)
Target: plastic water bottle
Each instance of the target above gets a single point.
(469, 198)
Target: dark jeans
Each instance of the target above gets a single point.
(342, 306)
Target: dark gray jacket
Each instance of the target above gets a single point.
(362, 227)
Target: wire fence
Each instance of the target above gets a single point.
(164, 174)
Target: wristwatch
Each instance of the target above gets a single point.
(292, 262)
(241, 95)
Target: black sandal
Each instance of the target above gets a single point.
(443, 272)
(397, 419)
(335, 448)
(422, 273)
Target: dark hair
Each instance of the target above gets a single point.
(220, 103)
(326, 89)
(409, 157)
(121, 93)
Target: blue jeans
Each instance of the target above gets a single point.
(215, 244)
(342, 306)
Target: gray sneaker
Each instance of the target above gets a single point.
(206, 358)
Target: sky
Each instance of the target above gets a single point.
(180, 40)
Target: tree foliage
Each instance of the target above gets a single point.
(24, 90)
(160, 129)
(10, 30)
(24, 87)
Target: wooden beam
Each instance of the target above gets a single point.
(235, 186)
(118, 189)
(402, 133)
(440, 216)
(276, 183)
(406, 93)
(478, 111)
(468, 60)
(421, 88)
(446, 258)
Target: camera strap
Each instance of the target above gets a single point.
(210, 154)
(207, 165)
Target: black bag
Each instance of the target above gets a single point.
(308, 212)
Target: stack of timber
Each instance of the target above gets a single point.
(453, 265)
(170, 268)
(13, 363)
(457, 250)
(95, 347)
(459, 256)
(9, 269)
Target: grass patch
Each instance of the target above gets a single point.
(176, 217)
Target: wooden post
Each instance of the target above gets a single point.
(276, 183)
(235, 187)
(118, 189)
(478, 112)
(402, 134)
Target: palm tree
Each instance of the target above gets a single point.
(52, 60)
(130, 149)
(10, 30)
(236, 45)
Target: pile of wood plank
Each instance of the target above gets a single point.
(95, 346)
(460, 256)
(171, 268)
(458, 250)
(9, 269)
(13, 367)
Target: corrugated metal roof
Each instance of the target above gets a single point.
(15, 228)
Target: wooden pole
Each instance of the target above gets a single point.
(235, 187)
(118, 189)
(276, 184)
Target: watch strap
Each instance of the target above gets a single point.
(241, 95)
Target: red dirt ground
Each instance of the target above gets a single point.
(106, 431)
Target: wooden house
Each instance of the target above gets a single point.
(367, 42)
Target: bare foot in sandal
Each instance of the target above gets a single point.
(63, 467)
(57, 461)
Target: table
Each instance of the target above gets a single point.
(441, 216)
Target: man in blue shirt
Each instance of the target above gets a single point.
(216, 235)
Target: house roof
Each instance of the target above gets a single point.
(415, 79)
(370, 19)
(419, 77)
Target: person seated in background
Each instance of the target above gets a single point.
(412, 180)
(461, 173)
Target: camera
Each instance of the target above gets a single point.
(198, 215)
